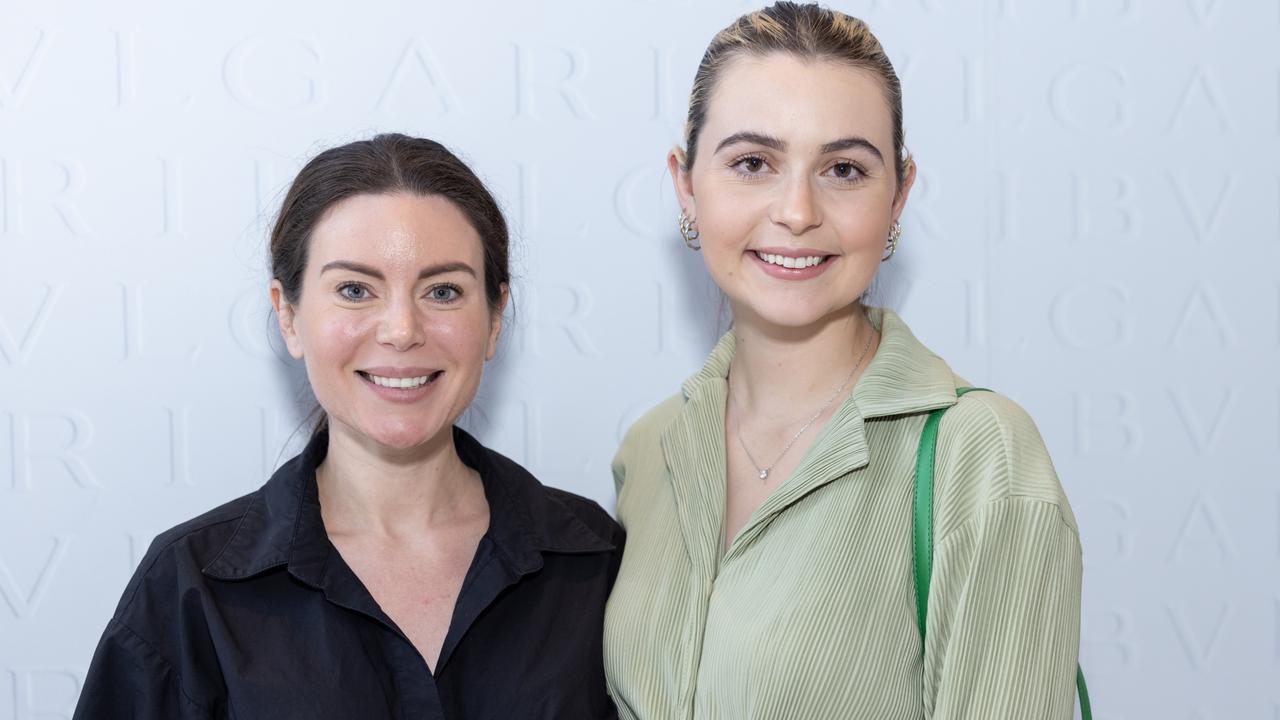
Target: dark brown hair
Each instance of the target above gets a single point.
(806, 31)
(387, 163)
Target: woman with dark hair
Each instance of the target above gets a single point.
(396, 568)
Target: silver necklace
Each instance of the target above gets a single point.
(763, 472)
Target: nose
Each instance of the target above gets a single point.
(797, 207)
(400, 326)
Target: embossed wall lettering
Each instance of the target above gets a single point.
(44, 443)
(45, 694)
(565, 66)
(1103, 208)
(1108, 640)
(1090, 97)
(1202, 530)
(18, 339)
(1198, 636)
(274, 73)
(1202, 99)
(1203, 421)
(1091, 316)
(416, 73)
(126, 68)
(1201, 321)
(15, 82)
(23, 592)
(55, 185)
(559, 310)
(1202, 210)
(1106, 423)
(171, 198)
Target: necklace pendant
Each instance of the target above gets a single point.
(764, 474)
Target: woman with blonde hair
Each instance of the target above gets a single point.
(771, 505)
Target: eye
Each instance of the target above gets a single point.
(749, 164)
(354, 291)
(848, 171)
(444, 293)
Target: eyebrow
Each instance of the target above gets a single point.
(780, 145)
(426, 272)
(850, 143)
(757, 138)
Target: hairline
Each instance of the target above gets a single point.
(740, 54)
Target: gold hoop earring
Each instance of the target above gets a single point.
(688, 232)
(891, 246)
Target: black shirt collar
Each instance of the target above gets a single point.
(283, 525)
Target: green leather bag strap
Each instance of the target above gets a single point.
(922, 533)
(922, 512)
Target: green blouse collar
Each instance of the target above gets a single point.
(904, 377)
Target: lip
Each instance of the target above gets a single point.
(792, 252)
(784, 273)
(400, 395)
(387, 372)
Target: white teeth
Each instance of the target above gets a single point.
(398, 382)
(790, 262)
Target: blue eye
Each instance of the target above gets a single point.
(353, 291)
(445, 293)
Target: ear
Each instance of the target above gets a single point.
(908, 179)
(285, 316)
(682, 181)
(495, 323)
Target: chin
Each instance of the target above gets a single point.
(405, 434)
(790, 314)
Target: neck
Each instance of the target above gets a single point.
(366, 489)
(784, 373)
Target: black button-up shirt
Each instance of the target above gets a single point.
(249, 611)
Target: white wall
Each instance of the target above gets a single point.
(1095, 233)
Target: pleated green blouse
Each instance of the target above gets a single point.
(810, 613)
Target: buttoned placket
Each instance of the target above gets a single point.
(693, 448)
(312, 559)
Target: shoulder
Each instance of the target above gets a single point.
(589, 513)
(646, 432)
(177, 555)
(990, 451)
(561, 519)
(641, 444)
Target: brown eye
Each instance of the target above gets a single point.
(749, 165)
(843, 170)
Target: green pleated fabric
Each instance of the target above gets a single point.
(811, 612)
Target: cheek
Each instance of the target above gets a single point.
(339, 336)
(463, 335)
(864, 233)
(726, 223)
(725, 217)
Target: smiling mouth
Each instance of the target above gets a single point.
(408, 383)
(786, 261)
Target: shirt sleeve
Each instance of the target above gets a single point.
(1004, 616)
(128, 679)
(1003, 631)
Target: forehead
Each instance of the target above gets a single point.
(799, 100)
(394, 231)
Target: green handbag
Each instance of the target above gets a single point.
(922, 535)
